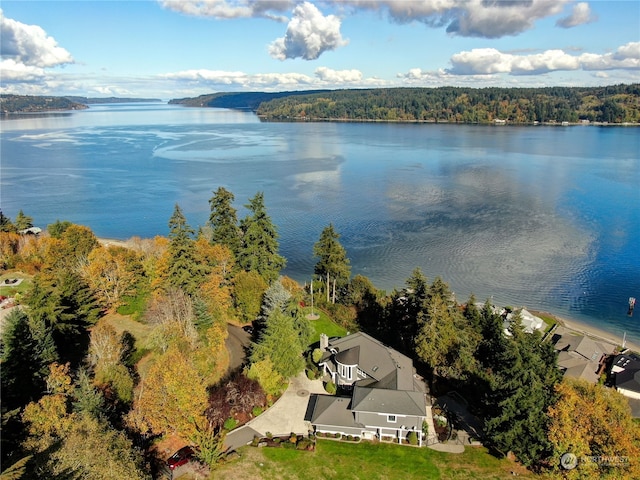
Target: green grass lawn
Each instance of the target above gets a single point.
(20, 289)
(324, 324)
(352, 461)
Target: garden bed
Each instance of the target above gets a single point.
(292, 441)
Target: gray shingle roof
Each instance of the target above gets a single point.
(331, 410)
(397, 402)
(388, 366)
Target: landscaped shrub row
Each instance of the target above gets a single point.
(347, 438)
(293, 441)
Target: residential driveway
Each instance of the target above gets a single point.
(284, 416)
(287, 414)
(237, 342)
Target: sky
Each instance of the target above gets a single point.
(183, 48)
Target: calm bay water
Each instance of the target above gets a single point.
(545, 217)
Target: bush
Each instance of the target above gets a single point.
(256, 411)
(316, 355)
(331, 388)
(277, 440)
(412, 438)
(311, 374)
(230, 423)
(269, 435)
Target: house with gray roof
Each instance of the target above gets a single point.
(385, 396)
(625, 372)
(580, 356)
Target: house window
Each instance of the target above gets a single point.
(391, 418)
(346, 371)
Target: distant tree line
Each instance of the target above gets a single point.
(612, 104)
(28, 103)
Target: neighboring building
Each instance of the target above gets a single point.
(387, 397)
(31, 231)
(580, 356)
(625, 374)
(530, 322)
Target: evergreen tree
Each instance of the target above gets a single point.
(185, 270)
(5, 224)
(61, 306)
(472, 314)
(520, 374)
(281, 343)
(57, 229)
(224, 220)
(24, 363)
(259, 250)
(275, 298)
(23, 221)
(333, 264)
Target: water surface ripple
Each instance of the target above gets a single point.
(546, 217)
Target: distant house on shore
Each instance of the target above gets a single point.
(30, 231)
(382, 394)
(625, 373)
(580, 356)
(529, 321)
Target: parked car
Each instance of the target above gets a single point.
(180, 458)
(248, 329)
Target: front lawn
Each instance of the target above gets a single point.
(365, 460)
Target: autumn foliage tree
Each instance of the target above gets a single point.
(113, 273)
(595, 424)
(171, 397)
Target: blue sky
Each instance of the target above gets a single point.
(171, 49)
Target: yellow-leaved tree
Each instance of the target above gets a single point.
(112, 272)
(171, 396)
(594, 424)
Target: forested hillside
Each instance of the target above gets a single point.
(29, 103)
(239, 100)
(612, 104)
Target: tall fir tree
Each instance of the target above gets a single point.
(23, 221)
(333, 265)
(6, 225)
(280, 341)
(24, 360)
(185, 269)
(224, 221)
(259, 250)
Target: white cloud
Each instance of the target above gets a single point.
(14, 72)
(466, 18)
(30, 45)
(491, 61)
(223, 80)
(580, 15)
(309, 34)
(338, 76)
(229, 9)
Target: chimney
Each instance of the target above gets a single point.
(324, 342)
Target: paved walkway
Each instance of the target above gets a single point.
(283, 417)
